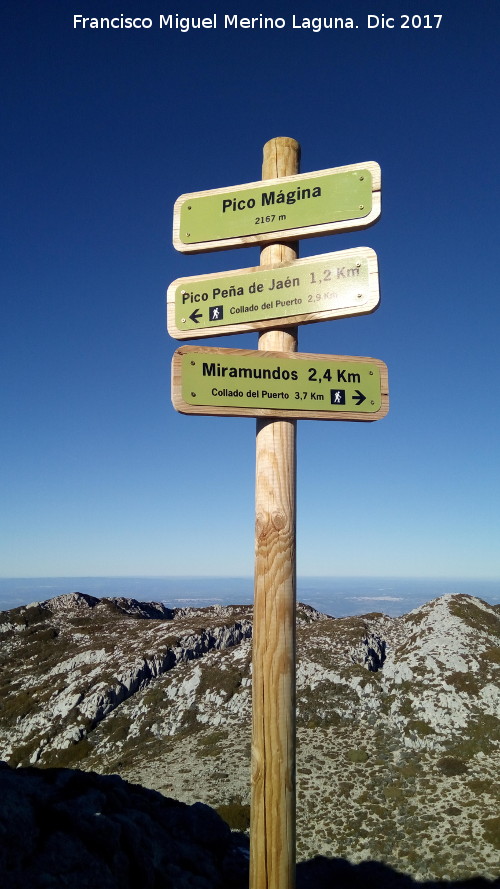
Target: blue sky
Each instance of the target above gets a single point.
(102, 131)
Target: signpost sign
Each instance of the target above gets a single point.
(283, 385)
(287, 208)
(318, 288)
(276, 385)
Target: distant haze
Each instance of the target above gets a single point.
(339, 596)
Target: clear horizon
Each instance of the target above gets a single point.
(337, 596)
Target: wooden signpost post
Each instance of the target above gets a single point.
(272, 810)
(277, 385)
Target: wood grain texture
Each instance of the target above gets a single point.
(309, 231)
(273, 801)
(272, 839)
(291, 320)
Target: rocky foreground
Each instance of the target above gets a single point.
(64, 827)
(398, 719)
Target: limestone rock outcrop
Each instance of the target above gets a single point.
(71, 661)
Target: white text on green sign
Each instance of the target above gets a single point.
(317, 288)
(337, 199)
(240, 382)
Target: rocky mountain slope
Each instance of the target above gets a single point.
(398, 718)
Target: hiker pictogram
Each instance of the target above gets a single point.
(337, 396)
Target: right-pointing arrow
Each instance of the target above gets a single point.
(359, 398)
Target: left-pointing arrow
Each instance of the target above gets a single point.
(196, 315)
(359, 398)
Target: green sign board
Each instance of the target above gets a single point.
(337, 199)
(237, 382)
(318, 288)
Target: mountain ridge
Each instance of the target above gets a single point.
(399, 716)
